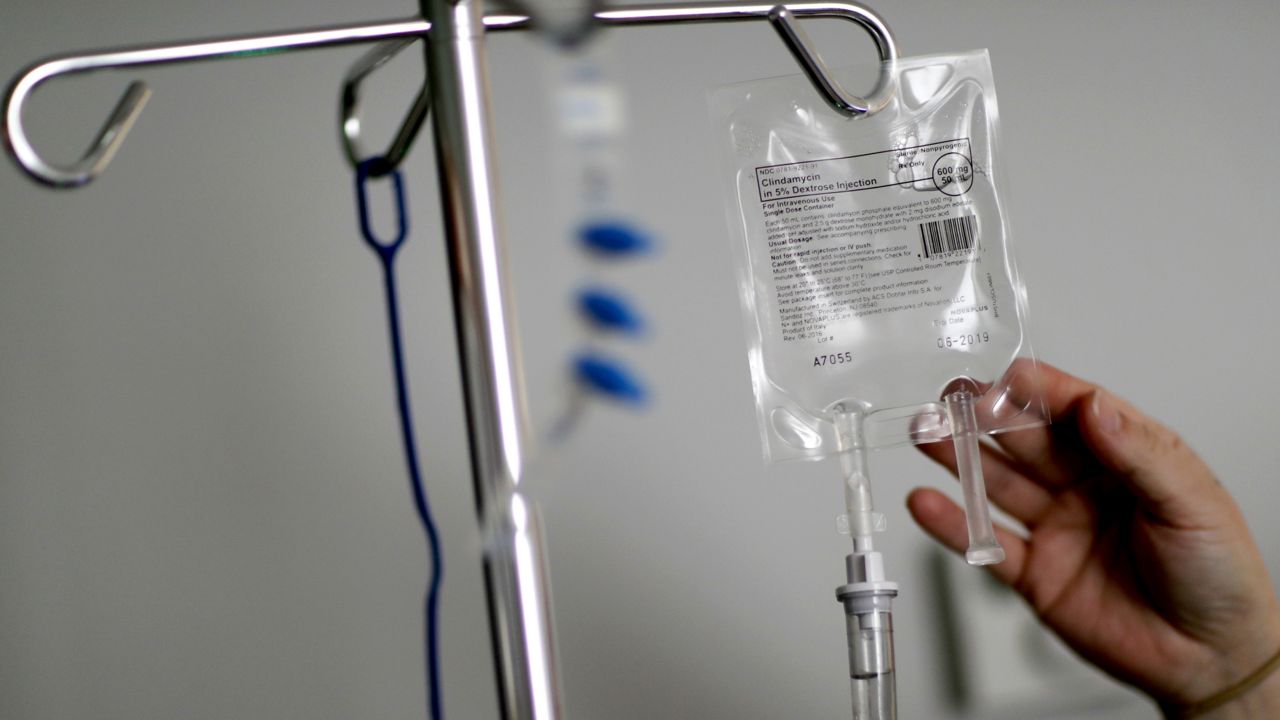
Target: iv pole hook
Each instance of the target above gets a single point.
(99, 154)
(126, 112)
(804, 52)
(350, 126)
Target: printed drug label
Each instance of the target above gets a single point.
(873, 256)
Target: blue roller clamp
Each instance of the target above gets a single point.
(609, 311)
(609, 377)
(606, 310)
(615, 238)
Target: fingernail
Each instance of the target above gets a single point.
(1106, 413)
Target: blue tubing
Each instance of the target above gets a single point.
(386, 255)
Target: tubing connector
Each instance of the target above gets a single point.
(867, 600)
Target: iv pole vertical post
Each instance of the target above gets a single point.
(515, 581)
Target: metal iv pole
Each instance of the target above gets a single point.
(496, 414)
(454, 33)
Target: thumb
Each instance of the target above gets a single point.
(1163, 472)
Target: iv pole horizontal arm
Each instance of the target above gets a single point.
(126, 112)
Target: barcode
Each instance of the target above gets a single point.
(949, 235)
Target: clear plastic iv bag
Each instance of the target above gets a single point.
(875, 268)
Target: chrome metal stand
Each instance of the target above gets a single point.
(514, 572)
(516, 583)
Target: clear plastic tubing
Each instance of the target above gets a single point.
(983, 547)
(868, 596)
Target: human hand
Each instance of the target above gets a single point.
(1134, 554)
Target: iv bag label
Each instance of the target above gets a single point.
(881, 233)
(944, 165)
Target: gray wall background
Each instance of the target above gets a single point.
(203, 512)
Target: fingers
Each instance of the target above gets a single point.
(944, 521)
(1093, 427)
(1009, 489)
(1047, 454)
(1166, 475)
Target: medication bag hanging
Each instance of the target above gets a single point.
(874, 264)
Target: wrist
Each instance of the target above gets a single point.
(1256, 697)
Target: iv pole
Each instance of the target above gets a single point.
(454, 30)
(496, 415)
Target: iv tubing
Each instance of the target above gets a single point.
(868, 595)
(857, 480)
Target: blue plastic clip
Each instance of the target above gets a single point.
(609, 377)
(608, 310)
(615, 239)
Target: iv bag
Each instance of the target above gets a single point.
(874, 262)
(568, 22)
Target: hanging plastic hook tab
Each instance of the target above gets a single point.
(349, 116)
(364, 171)
(841, 100)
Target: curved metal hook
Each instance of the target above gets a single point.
(100, 152)
(349, 119)
(806, 54)
(127, 110)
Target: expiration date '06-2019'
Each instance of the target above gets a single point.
(968, 340)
